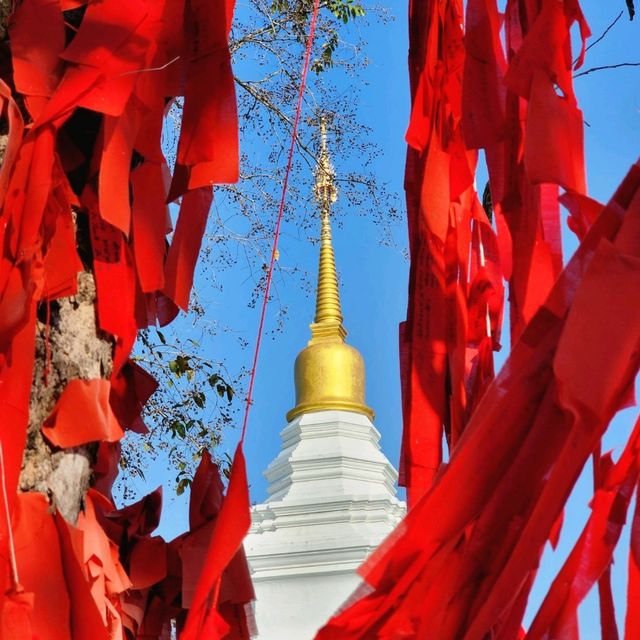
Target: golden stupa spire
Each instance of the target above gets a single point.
(329, 374)
(328, 320)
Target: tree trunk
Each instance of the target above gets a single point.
(73, 348)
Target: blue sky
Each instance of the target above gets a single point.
(374, 277)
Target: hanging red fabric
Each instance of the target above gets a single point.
(461, 563)
(105, 74)
(632, 618)
(592, 554)
(437, 348)
(230, 528)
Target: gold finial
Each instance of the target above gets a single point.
(325, 187)
(328, 321)
(329, 374)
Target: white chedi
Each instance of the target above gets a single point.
(332, 501)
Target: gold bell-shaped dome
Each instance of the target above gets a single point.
(329, 374)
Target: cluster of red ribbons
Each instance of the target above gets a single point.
(107, 577)
(455, 288)
(83, 97)
(462, 563)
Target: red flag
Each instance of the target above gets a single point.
(632, 618)
(230, 528)
(207, 154)
(82, 414)
(592, 554)
(183, 253)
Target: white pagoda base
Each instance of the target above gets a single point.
(332, 501)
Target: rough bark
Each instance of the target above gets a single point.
(5, 11)
(74, 348)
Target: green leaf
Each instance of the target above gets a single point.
(199, 398)
(178, 428)
(487, 203)
(279, 6)
(182, 485)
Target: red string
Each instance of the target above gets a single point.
(15, 581)
(276, 235)
(47, 345)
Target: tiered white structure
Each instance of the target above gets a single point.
(332, 492)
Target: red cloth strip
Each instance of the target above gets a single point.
(230, 528)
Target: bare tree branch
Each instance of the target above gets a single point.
(263, 98)
(602, 35)
(607, 66)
